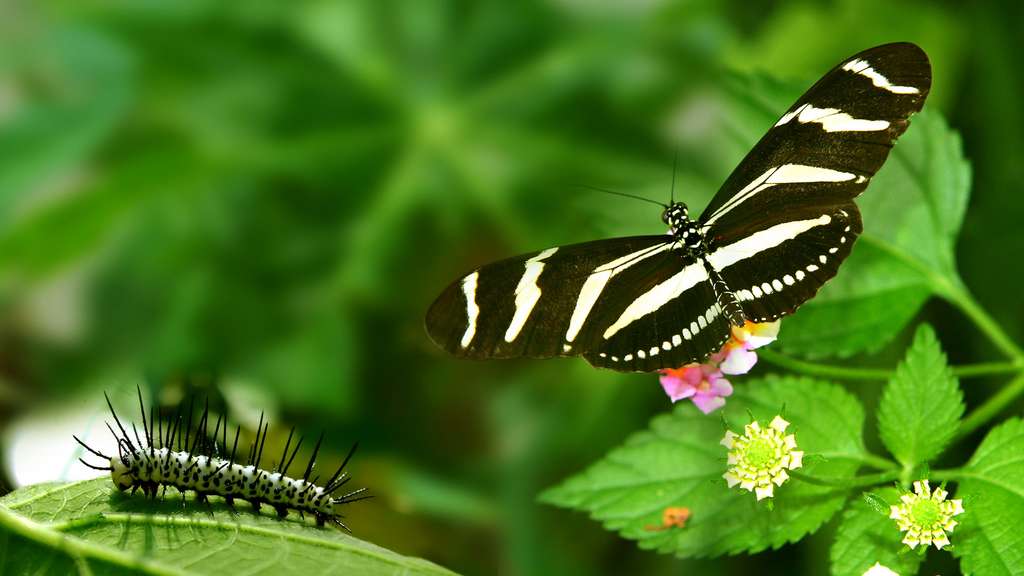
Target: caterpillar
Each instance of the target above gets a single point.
(172, 456)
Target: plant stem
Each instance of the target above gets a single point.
(987, 369)
(878, 462)
(992, 407)
(824, 370)
(948, 475)
(849, 483)
(964, 300)
(855, 373)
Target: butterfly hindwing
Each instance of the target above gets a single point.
(674, 320)
(771, 282)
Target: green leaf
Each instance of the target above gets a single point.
(678, 461)
(82, 526)
(989, 540)
(912, 213)
(921, 406)
(866, 536)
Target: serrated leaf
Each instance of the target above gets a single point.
(678, 461)
(866, 536)
(66, 528)
(912, 213)
(989, 540)
(921, 405)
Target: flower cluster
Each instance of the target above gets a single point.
(926, 516)
(705, 384)
(758, 459)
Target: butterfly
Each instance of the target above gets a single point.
(774, 234)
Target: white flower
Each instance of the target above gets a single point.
(926, 516)
(758, 459)
(879, 570)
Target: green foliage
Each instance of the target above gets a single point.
(912, 214)
(74, 110)
(678, 461)
(267, 195)
(921, 406)
(989, 540)
(866, 536)
(90, 526)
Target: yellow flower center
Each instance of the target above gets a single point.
(925, 512)
(760, 453)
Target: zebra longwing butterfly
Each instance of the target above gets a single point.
(774, 233)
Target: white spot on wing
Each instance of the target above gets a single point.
(527, 293)
(863, 68)
(472, 310)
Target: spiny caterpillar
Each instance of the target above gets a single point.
(165, 458)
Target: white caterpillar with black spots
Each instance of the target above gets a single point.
(152, 463)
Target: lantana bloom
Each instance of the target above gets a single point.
(878, 569)
(701, 383)
(759, 458)
(705, 383)
(737, 355)
(926, 516)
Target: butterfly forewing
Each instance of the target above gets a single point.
(807, 169)
(775, 232)
(538, 304)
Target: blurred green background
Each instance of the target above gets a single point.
(259, 200)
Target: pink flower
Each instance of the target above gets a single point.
(704, 383)
(701, 383)
(737, 356)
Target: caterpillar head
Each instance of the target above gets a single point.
(122, 470)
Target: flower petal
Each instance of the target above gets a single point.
(708, 403)
(779, 424)
(738, 361)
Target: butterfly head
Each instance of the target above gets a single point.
(677, 217)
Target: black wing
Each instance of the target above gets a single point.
(781, 224)
(637, 303)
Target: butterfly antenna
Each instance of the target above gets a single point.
(675, 165)
(623, 194)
